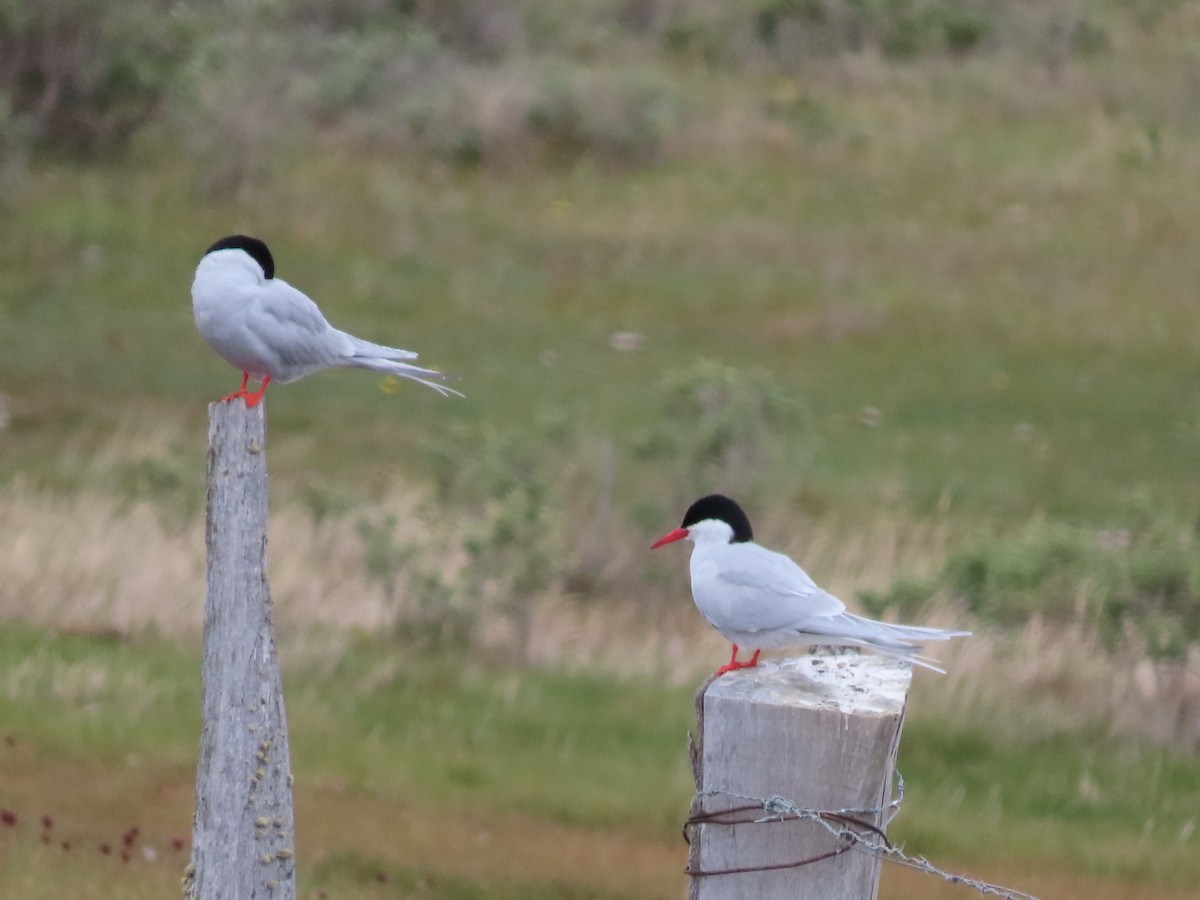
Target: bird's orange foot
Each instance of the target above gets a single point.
(240, 392)
(733, 664)
(252, 399)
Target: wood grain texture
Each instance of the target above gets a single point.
(821, 732)
(243, 843)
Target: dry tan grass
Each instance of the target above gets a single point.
(91, 561)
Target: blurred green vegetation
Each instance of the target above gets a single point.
(836, 257)
(419, 736)
(1058, 571)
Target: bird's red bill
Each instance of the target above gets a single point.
(677, 535)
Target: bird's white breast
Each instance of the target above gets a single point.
(714, 602)
(224, 297)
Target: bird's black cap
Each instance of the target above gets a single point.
(718, 506)
(255, 248)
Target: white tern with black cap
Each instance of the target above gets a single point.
(761, 599)
(273, 332)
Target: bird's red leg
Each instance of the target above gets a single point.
(253, 399)
(240, 392)
(733, 663)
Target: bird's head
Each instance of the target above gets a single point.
(711, 519)
(238, 253)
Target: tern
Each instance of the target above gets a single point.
(758, 598)
(273, 332)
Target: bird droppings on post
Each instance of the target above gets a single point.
(838, 683)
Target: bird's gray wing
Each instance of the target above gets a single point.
(295, 332)
(765, 591)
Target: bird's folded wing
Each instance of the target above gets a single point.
(767, 591)
(291, 307)
(295, 329)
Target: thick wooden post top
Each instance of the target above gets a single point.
(858, 684)
(819, 731)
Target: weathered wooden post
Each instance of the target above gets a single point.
(242, 834)
(821, 732)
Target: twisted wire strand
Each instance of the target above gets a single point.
(848, 826)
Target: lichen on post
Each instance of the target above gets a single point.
(243, 830)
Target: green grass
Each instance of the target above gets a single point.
(1111, 811)
(961, 350)
(966, 283)
(573, 749)
(378, 732)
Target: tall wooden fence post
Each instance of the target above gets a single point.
(821, 732)
(242, 834)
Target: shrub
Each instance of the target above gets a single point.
(620, 116)
(503, 485)
(722, 428)
(16, 142)
(1146, 588)
(86, 73)
(906, 598)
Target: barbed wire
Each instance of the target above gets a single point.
(848, 826)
